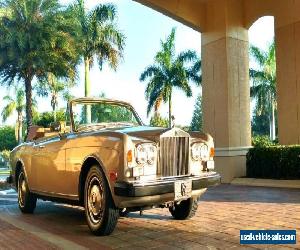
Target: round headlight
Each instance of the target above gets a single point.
(141, 154)
(146, 153)
(152, 152)
(196, 151)
(204, 151)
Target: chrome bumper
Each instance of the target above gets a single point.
(164, 185)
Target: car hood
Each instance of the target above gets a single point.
(142, 132)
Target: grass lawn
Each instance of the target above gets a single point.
(4, 172)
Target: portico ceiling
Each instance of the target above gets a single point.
(194, 12)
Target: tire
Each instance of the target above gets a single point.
(184, 210)
(101, 213)
(26, 200)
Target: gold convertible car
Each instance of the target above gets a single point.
(110, 163)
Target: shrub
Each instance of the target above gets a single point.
(7, 138)
(274, 162)
(158, 121)
(262, 141)
(46, 118)
(4, 158)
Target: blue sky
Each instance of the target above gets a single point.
(144, 28)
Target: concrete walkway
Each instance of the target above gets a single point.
(266, 182)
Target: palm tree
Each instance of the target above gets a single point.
(170, 71)
(263, 88)
(100, 39)
(56, 88)
(15, 104)
(36, 39)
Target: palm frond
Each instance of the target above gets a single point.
(8, 110)
(187, 56)
(150, 72)
(258, 55)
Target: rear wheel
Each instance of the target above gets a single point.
(101, 213)
(26, 200)
(185, 209)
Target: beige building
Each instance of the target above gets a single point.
(224, 27)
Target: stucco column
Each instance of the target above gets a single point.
(226, 92)
(288, 80)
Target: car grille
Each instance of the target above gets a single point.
(174, 156)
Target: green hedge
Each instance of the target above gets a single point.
(275, 162)
(7, 138)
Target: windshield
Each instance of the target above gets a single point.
(97, 115)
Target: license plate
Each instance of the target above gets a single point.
(183, 189)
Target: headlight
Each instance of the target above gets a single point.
(199, 151)
(146, 153)
(196, 151)
(204, 151)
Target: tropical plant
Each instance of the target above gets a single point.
(100, 38)
(168, 72)
(263, 88)
(36, 39)
(15, 104)
(262, 141)
(260, 124)
(7, 138)
(5, 155)
(57, 89)
(197, 119)
(46, 118)
(158, 121)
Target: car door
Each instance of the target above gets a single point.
(48, 163)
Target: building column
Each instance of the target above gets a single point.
(226, 91)
(288, 81)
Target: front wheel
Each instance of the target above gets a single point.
(185, 209)
(26, 200)
(101, 213)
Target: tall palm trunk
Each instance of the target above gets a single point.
(272, 123)
(170, 110)
(20, 127)
(54, 105)
(157, 106)
(52, 79)
(87, 88)
(28, 91)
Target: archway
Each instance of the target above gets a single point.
(262, 66)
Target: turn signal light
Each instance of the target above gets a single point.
(212, 152)
(129, 156)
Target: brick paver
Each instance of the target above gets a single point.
(223, 211)
(13, 238)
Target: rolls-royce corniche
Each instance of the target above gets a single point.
(104, 159)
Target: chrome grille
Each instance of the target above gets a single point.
(174, 156)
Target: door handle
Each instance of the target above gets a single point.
(41, 146)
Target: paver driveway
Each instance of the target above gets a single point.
(223, 211)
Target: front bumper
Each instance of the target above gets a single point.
(163, 186)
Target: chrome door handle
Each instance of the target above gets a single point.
(41, 146)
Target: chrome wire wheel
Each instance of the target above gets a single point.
(101, 213)
(95, 199)
(21, 189)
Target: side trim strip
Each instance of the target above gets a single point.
(56, 195)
